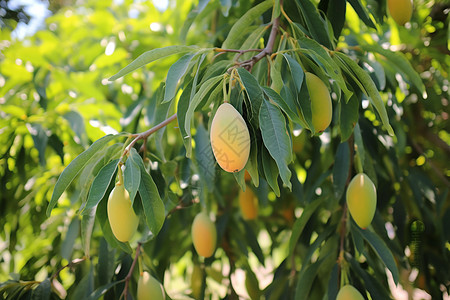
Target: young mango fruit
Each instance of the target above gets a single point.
(230, 139)
(149, 288)
(362, 199)
(348, 292)
(321, 106)
(121, 216)
(248, 203)
(400, 10)
(204, 235)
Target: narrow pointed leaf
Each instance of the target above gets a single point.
(132, 174)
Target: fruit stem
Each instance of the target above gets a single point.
(120, 182)
(130, 272)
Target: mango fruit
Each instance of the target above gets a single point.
(204, 235)
(248, 203)
(400, 10)
(121, 216)
(362, 199)
(321, 106)
(348, 292)
(149, 288)
(230, 139)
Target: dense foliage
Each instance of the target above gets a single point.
(74, 96)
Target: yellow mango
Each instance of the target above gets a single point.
(248, 203)
(348, 292)
(362, 199)
(321, 107)
(230, 139)
(400, 10)
(149, 288)
(121, 216)
(204, 235)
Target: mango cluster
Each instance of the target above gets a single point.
(348, 292)
(230, 138)
(204, 235)
(121, 216)
(149, 288)
(362, 199)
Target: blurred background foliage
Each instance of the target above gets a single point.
(55, 100)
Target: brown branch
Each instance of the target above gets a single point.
(74, 262)
(248, 64)
(144, 135)
(130, 272)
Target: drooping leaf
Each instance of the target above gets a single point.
(151, 56)
(367, 86)
(43, 291)
(87, 226)
(254, 93)
(72, 170)
(40, 140)
(348, 116)
(69, 241)
(281, 103)
(306, 279)
(359, 145)
(270, 170)
(362, 12)
(100, 184)
(102, 290)
(132, 174)
(341, 169)
(276, 138)
(231, 42)
(176, 71)
(314, 22)
(204, 157)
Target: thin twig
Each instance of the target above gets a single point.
(69, 265)
(130, 272)
(146, 134)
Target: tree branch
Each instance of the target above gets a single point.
(130, 272)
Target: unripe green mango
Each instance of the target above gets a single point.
(362, 199)
(400, 10)
(204, 235)
(230, 139)
(321, 106)
(248, 203)
(121, 216)
(348, 292)
(149, 288)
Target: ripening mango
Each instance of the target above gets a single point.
(121, 216)
(230, 139)
(149, 288)
(362, 199)
(204, 235)
(321, 106)
(348, 292)
(248, 202)
(400, 10)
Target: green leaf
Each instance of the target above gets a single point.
(362, 12)
(182, 107)
(85, 287)
(101, 184)
(276, 138)
(348, 116)
(252, 241)
(382, 251)
(314, 22)
(154, 210)
(69, 240)
(76, 123)
(254, 93)
(151, 56)
(43, 291)
(306, 279)
(204, 157)
(176, 71)
(132, 174)
(336, 14)
(297, 73)
(359, 145)
(231, 42)
(270, 170)
(401, 63)
(198, 98)
(367, 86)
(40, 140)
(87, 226)
(102, 290)
(281, 103)
(300, 223)
(72, 170)
(341, 169)
(106, 262)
